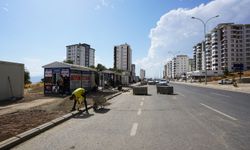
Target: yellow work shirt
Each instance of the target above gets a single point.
(78, 93)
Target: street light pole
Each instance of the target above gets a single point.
(205, 25)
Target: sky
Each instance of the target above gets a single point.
(36, 32)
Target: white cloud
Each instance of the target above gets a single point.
(97, 7)
(5, 9)
(103, 3)
(176, 33)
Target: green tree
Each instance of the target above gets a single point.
(26, 77)
(68, 61)
(226, 72)
(116, 70)
(92, 67)
(100, 67)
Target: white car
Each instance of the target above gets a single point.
(225, 81)
(163, 82)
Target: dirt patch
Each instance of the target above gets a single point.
(21, 121)
(18, 122)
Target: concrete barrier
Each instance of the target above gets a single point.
(142, 90)
(143, 83)
(165, 89)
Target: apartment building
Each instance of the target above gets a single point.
(191, 64)
(142, 74)
(198, 56)
(168, 70)
(215, 49)
(208, 46)
(235, 47)
(81, 54)
(177, 67)
(182, 65)
(133, 73)
(173, 68)
(227, 45)
(123, 57)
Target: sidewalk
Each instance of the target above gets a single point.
(242, 87)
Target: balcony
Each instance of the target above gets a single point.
(215, 47)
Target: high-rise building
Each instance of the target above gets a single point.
(228, 44)
(235, 45)
(81, 54)
(168, 70)
(198, 56)
(208, 45)
(133, 73)
(178, 66)
(173, 71)
(190, 64)
(215, 49)
(142, 74)
(123, 57)
(182, 65)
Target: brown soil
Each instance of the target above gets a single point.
(21, 121)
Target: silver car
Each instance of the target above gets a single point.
(225, 81)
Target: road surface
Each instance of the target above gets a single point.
(193, 118)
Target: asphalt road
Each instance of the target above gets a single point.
(193, 118)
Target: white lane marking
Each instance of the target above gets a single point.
(139, 112)
(181, 94)
(142, 98)
(218, 111)
(134, 129)
(141, 103)
(220, 95)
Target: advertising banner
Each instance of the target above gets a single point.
(86, 78)
(75, 79)
(48, 73)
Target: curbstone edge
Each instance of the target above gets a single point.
(11, 142)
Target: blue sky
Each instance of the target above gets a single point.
(36, 32)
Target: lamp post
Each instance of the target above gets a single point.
(205, 24)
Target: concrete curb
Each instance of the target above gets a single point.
(18, 139)
(112, 96)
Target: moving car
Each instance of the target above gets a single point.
(151, 82)
(163, 82)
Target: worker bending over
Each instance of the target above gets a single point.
(79, 96)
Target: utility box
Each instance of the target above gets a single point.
(11, 80)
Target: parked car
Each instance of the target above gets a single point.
(225, 81)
